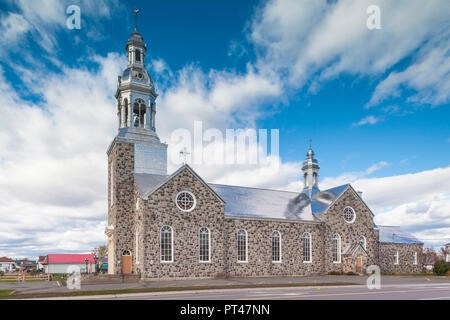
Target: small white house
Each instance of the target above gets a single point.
(7, 264)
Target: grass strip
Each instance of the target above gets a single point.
(166, 289)
(5, 293)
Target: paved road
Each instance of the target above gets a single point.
(53, 286)
(390, 292)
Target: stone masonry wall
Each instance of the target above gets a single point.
(259, 238)
(334, 223)
(161, 210)
(406, 258)
(121, 212)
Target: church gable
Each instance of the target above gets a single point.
(349, 210)
(184, 192)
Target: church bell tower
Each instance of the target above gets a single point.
(135, 151)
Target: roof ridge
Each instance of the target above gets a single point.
(384, 225)
(231, 185)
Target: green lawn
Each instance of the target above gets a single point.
(5, 293)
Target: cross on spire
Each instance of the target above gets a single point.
(310, 140)
(136, 11)
(184, 154)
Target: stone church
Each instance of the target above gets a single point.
(177, 225)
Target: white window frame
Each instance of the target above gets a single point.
(279, 245)
(396, 258)
(415, 258)
(200, 245)
(307, 236)
(137, 246)
(171, 244)
(246, 246)
(338, 249)
(193, 197)
(354, 214)
(365, 241)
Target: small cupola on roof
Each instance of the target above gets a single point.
(310, 171)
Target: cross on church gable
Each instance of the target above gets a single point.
(184, 154)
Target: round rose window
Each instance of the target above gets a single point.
(185, 201)
(349, 214)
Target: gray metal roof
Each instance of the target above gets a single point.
(395, 234)
(245, 201)
(257, 202)
(147, 182)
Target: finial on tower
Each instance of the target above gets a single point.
(136, 11)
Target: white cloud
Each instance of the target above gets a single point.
(367, 120)
(429, 77)
(53, 163)
(351, 177)
(419, 202)
(317, 40)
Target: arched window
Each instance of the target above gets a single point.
(125, 113)
(362, 242)
(166, 243)
(276, 246)
(307, 247)
(336, 248)
(204, 245)
(138, 55)
(242, 246)
(139, 109)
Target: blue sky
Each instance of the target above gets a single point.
(374, 102)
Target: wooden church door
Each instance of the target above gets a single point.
(126, 262)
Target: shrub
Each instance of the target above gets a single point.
(351, 273)
(1, 273)
(335, 273)
(441, 267)
(34, 272)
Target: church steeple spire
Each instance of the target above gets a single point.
(310, 173)
(136, 91)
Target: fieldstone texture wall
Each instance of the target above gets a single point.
(405, 259)
(121, 209)
(161, 210)
(349, 233)
(259, 240)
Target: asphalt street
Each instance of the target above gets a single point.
(429, 291)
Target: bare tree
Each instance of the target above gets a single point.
(101, 251)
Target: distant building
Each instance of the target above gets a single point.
(60, 263)
(25, 264)
(7, 264)
(40, 263)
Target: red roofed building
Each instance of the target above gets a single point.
(7, 264)
(59, 263)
